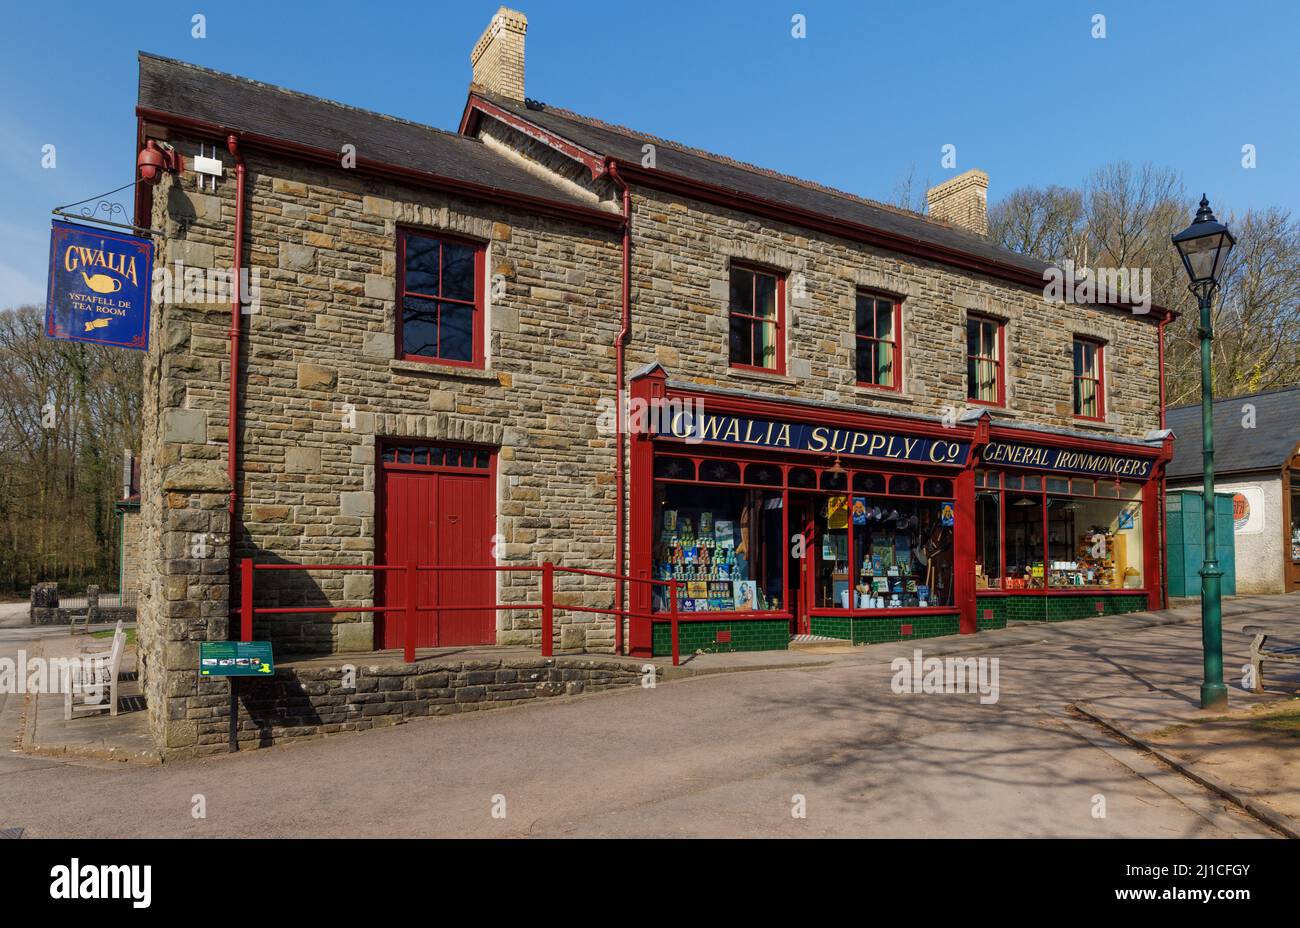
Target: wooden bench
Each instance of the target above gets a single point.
(94, 674)
(1260, 653)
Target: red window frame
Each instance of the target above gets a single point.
(896, 342)
(999, 361)
(755, 320)
(1098, 380)
(477, 354)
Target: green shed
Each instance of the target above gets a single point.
(1184, 513)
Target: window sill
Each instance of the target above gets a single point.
(760, 376)
(398, 366)
(883, 393)
(1094, 424)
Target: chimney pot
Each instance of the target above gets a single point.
(498, 55)
(962, 201)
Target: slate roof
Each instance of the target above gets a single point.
(1237, 449)
(671, 157)
(238, 103)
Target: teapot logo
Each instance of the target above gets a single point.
(102, 283)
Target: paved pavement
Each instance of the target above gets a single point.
(724, 754)
(13, 614)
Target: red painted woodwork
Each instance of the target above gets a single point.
(652, 385)
(438, 516)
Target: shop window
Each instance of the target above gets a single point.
(757, 318)
(1083, 487)
(901, 552)
(1058, 485)
(440, 294)
(722, 545)
(763, 474)
(938, 486)
(988, 540)
(1094, 543)
(984, 362)
(834, 481)
(1024, 541)
(907, 486)
(802, 478)
(1089, 384)
(869, 483)
(1033, 483)
(674, 468)
(1013, 481)
(720, 471)
(831, 590)
(879, 335)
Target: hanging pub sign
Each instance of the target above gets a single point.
(99, 287)
(804, 436)
(1041, 457)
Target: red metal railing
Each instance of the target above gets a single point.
(247, 611)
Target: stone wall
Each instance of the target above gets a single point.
(320, 385)
(129, 556)
(681, 258)
(184, 599)
(314, 700)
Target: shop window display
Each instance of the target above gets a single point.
(1024, 540)
(1078, 533)
(902, 552)
(1094, 543)
(722, 547)
(988, 534)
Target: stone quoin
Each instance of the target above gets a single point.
(438, 332)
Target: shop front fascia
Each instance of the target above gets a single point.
(779, 518)
(1067, 526)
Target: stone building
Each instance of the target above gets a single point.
(545, 338)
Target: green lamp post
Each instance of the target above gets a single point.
(1204, 248)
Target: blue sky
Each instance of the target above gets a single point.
(1022, 89)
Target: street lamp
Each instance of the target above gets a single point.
(1204, 248)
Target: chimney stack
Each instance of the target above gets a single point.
(498, 56)
(962, 201)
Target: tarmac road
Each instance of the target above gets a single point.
(720, 755)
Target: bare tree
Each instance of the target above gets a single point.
(66, 412)
(1123, 216)
(909, 192)
(1045, 223)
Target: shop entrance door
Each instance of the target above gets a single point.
(438, 509)
(802, 569)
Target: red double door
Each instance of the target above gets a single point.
(438, 509)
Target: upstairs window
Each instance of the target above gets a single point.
(879, 335)
(1089, 394)
(757, 320)
(440, 300)
(984, 361)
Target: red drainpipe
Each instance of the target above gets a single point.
(236, 315)
(620, 476)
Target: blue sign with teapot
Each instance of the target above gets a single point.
(99, 287)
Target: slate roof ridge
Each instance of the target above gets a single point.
(263, 85)
(733, 162)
